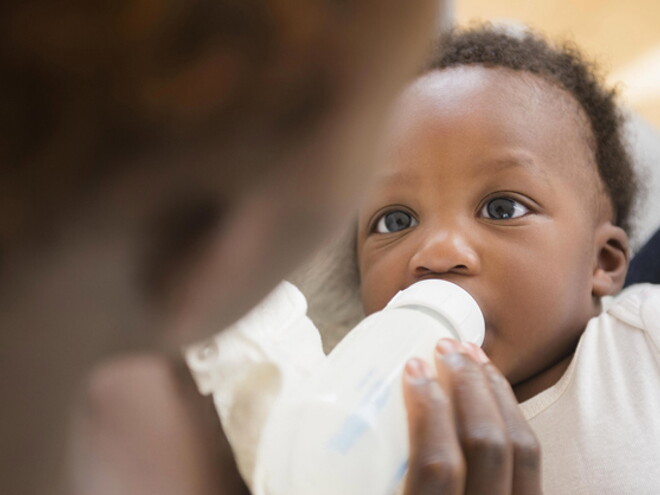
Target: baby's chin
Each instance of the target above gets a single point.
(498, 356)
(489, 339)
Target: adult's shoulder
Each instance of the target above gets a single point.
(142, 427)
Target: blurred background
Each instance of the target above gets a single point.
(624, 39)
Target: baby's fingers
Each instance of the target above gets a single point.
(436, 464)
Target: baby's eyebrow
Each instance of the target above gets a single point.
(397, 178)
(517, 160)
(513, 160)
(491, 166)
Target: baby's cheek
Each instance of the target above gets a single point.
(374, 292)
(369, 298)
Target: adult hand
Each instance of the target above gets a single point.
(467, 434)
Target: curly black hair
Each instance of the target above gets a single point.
(565, 66)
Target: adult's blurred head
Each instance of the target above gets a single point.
(211, 143)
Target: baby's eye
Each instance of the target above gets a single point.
(503, 209)
(395, 221)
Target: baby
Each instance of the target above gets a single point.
(506, 174)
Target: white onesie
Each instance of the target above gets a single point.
(599, 426)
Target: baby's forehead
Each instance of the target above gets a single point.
(494, 112)
(488, 89)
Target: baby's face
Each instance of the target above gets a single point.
(489, 182)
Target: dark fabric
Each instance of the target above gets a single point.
(645, 265)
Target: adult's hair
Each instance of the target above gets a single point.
(86, 88)
(564, 66)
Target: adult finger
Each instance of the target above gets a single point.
(481, 428)
(436, 464)
(526, 448)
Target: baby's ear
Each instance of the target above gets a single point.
(611, 260)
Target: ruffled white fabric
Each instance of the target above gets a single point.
(249, 365)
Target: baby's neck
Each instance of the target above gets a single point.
(541, 381)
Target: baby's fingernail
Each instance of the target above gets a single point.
(448, 346)
(416, 370)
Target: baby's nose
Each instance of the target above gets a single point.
(445, 251)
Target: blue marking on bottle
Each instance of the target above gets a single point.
(401, 471)
(354, 427)
(357, 423)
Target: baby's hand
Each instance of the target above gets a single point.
(467, 434)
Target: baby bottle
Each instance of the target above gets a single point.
(343, 431)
